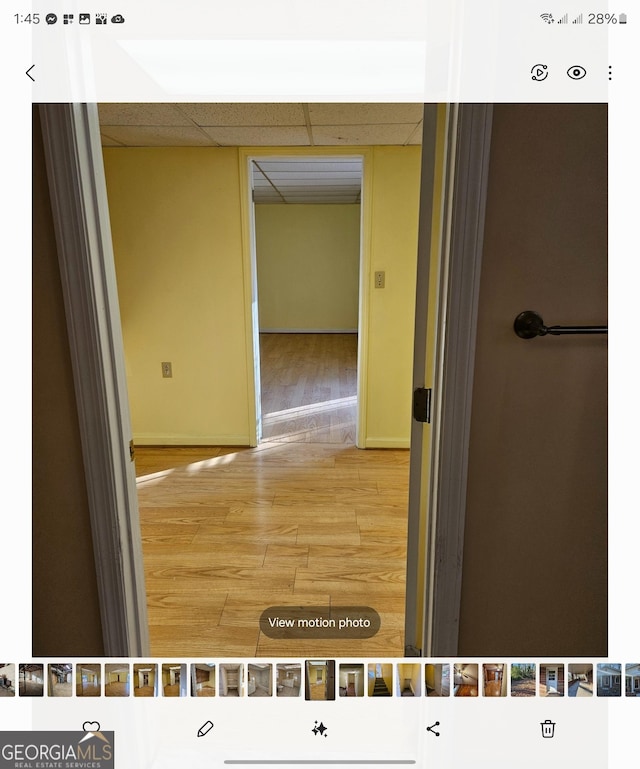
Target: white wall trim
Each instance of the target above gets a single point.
(81, 218)
(250, 279)
(364, 299)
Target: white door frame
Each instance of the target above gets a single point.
(79, 202)
(439, 459)
(247, 213)
(73, 154)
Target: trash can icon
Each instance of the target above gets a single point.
(548, 728)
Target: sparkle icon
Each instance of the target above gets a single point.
(319, 729)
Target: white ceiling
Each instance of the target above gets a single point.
(283, 180)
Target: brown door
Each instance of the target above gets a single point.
(534, 575)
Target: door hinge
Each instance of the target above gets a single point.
(422, 404)
(412, 651)
(132, 451)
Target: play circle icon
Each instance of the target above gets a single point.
(539, 72)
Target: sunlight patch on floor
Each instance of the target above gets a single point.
(309, 410)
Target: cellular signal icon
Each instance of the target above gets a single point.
(547, 17)
(564, 19)
(577, 20)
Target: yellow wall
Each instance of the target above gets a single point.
(176, 228)
(412, 672)
(178, 240)
(308, 260)
(430, 676)
(394, 239)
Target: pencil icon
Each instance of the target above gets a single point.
(206, 727)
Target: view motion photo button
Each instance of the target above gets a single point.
(320, 622)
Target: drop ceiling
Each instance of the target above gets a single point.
(281, 180)
(307, 180)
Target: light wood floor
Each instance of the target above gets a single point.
(304, 519)
(308, 387)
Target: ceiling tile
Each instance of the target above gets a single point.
(245, 114)
(141, 114)
(362, 134)
(261, 124)
(107, 141)
(350, 114)
(157, 136)
(259, 136)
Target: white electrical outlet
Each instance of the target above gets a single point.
(167, 372)
(379, 279)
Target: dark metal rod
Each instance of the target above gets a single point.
(529, 325)
(556, 330)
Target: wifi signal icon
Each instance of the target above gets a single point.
(548, 17)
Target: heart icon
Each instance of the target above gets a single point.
(91, 726)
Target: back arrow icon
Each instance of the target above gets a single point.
(28, 71)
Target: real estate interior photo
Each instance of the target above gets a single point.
(409, 680)
(145, 679)
(380, 679)
(60, 680)
(232, 677)
(288, 679)
(259, 680)
(174, 679)
(351, 680)
(494, 680)
(437, 679)
(465, 679)
(88, 680)
(320, 680)
(279, 279)
(7, 679)
(30, 680)
(117, 679)
(203, 679)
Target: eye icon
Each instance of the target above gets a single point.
(576, 72)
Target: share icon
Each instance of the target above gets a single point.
(432, 728)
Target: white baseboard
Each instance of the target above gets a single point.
(178, 439)
(387, 443)
(308, 330)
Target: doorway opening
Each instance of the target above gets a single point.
(323, 548)
(306, 221)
